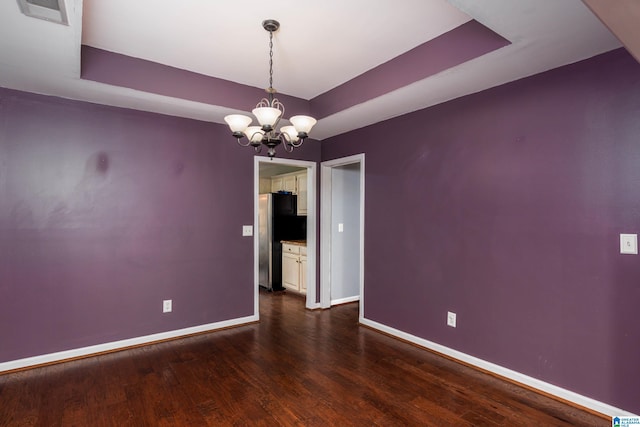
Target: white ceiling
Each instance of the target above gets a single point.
(319, 46)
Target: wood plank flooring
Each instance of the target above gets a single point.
(295, 367)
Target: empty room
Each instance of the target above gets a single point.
(419, 212)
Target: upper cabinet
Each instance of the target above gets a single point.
(302, 193)
(276, 184)
(296, 183)
(289, 183)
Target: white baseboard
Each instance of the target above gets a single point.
(551, 389)
(345, 300)
(313, 306)
(117, 345)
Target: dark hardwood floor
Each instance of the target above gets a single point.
(295, 367)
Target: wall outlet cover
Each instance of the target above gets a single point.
(629, 244)
(247, 230)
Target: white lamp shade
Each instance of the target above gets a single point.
(303, 123)
(291, 132)
(267, 115)
(254, 133)
(237, 122)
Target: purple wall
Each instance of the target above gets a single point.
(105, 212)
(509, 205)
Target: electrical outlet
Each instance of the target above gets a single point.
(629, 244)
(247, 230)
(451, 319)
(167, 306)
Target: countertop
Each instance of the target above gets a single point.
(294, 242)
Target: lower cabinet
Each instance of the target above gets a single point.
(294, 268)
(291, 271)
(303, 274)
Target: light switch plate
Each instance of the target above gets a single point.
(629, 244)
(340, 227)
(451, 319)
(247, 230)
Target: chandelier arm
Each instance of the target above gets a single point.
(297, 144)
(275, 103)
(264, 102)
(242, 144)
(280, 106)
(286, 143)
(288, 147)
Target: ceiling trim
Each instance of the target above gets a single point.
(465, 42)
(134, 73)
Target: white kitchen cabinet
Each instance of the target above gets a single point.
(294, 267)
(276, 184)
(289, 183)
(291, 271)
(302, 192)
(286, 182)
(303, 274)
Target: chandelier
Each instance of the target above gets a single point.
(268, 113)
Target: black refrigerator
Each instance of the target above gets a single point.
(277, 221)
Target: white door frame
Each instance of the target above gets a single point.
(325, 228)
(312, 229)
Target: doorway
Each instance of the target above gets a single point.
(342, 232)
(264, 170)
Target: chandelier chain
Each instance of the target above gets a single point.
(271, 63)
